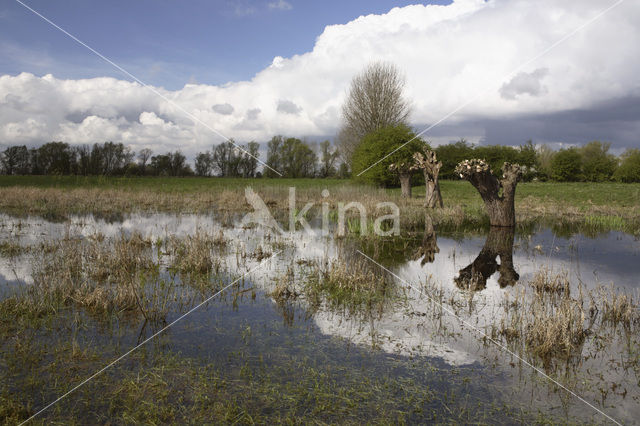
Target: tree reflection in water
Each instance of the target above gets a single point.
(427, 251)
(499, 243)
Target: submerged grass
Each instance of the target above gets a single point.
(113, 276)
(354, 285)
(553, 324)
(195, 254)
(11, 249)
(160, 387)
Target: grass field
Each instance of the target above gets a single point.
(573, 193)
(593, 205)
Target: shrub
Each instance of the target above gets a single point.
(567, 165)
(597, 164)
(629, 170)
(377, 145)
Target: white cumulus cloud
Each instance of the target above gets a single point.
(449, 55)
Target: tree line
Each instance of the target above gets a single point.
(106, 159)
(591, 162)
(291, 157)
(295, 158)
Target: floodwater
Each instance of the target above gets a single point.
(469, 278)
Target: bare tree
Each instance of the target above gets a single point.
(430, 167)
(375, 100)
(498, 194)
(404, 171)
(143, 157)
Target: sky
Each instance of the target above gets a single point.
(497, 71)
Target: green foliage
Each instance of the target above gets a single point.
(629, 170)
(597, 164)
(452, 154)
(291, 157)
(566, 165)
(377, 145)
(544, 158)
(170, 164)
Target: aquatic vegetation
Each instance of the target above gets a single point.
(195, 253)
(547, 282)
(552, 323)
(353, 285)
(11, 249)
(618, 307)
(260, 253)
(98, 289)
(115, 275)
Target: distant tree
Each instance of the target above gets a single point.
(343, 171)
(528, 159)
(227, 159)
(203, 164)
(567, 165)
(160, 165)
(629, 169)
(83, 155)
(375, 100)
(143, 158)
(291, 157)
(376, 146)
(56, 158)
(110, 158)
(178, 164)
(597, 164)
(328, 158)
(274, 157)
(544, 159)
(170, 164)
(249, 160)
(528, 154)
(34, 162)
(297, 159)
(15, 160)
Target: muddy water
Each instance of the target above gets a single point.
(411, 331)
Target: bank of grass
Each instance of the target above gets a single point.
(585, 207)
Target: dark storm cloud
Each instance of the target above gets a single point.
(616, 121)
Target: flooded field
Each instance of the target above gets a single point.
(174, 318)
